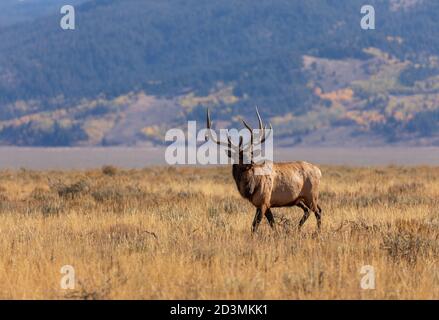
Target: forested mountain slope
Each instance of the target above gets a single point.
(134, 68)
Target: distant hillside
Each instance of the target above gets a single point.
(135, 68)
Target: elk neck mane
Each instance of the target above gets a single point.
(246, 180)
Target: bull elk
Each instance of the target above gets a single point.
(280, 184)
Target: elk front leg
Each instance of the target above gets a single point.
(270, 218)
(257, 220)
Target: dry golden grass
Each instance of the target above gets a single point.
(165, 233)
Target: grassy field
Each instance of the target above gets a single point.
(165, 233)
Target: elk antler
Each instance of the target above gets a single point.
(262, 129)
(209, 135)
(262, 134)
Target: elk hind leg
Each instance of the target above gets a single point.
(270, 218)
(305, 213)
(318, 214)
